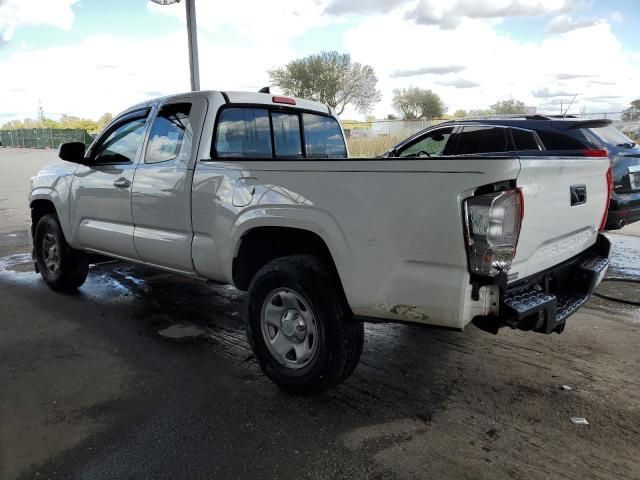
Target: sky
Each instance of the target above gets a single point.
(88, 57)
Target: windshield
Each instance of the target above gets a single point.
(608, 136)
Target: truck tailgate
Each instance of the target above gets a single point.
(564, 203)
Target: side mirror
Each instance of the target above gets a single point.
(72, 152)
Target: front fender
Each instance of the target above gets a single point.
(55, 190)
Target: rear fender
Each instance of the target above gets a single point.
(313, 220)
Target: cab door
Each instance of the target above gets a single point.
(100, 207)
(161, 198)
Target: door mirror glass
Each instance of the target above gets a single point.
(72, 152)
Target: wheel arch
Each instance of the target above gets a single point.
(39, 208)
(261, 244)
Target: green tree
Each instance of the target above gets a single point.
(479, 113)
(504, 107)
(632, 114)
(102, 122)
(414, 102)
(331, 78)
(391, 116)
(65, 121)
(460, 113)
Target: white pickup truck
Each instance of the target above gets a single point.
(258, 191)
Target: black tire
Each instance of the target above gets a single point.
(340, 338)
(72, 265)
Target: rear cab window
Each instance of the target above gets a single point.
(244, 133)
(266, 133)
(323, 137)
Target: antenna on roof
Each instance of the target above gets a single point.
(264, 90)
(570, 103)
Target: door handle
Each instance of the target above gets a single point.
(122, 183)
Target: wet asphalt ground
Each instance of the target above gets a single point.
(144, 374)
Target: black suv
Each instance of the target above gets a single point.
(500, 135)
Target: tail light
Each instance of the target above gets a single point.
(607, 199)
(492, 224)
(595, 152)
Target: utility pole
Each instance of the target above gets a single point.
(192, 34)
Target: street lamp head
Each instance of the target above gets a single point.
(165, 2)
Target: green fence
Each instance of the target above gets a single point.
(42, 137)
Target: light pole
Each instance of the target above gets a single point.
(192, 33)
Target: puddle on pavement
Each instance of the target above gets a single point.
(625, 256)
(16, 263)
(181, 331)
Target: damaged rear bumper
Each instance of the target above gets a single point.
(543, 302)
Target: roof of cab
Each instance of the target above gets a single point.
(240, 97)
(267, 99)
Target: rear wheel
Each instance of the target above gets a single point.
(300, 326)
(61, 267)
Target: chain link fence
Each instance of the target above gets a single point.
(375, 137)
(42, 137)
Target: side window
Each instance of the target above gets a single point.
(323, 137)
(560, 141)
(243, 133)
(170, 134)
(524, 139)
(476, 140)
(286, 134)
(121, 144)
(433, 144)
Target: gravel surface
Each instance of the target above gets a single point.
(144, 374)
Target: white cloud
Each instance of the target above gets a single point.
(435, 70)
(546, 93)
(242, 39)
(16, 13)
(458, 83)
(339, 7)
(109, 73)
(565, 23)
(570, 76)
(450, 14)
(256, 20)
(617, 16)
(503, 67)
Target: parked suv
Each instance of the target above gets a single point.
(538, 133)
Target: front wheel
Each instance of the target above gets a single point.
(61, 267)
(300, 327)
